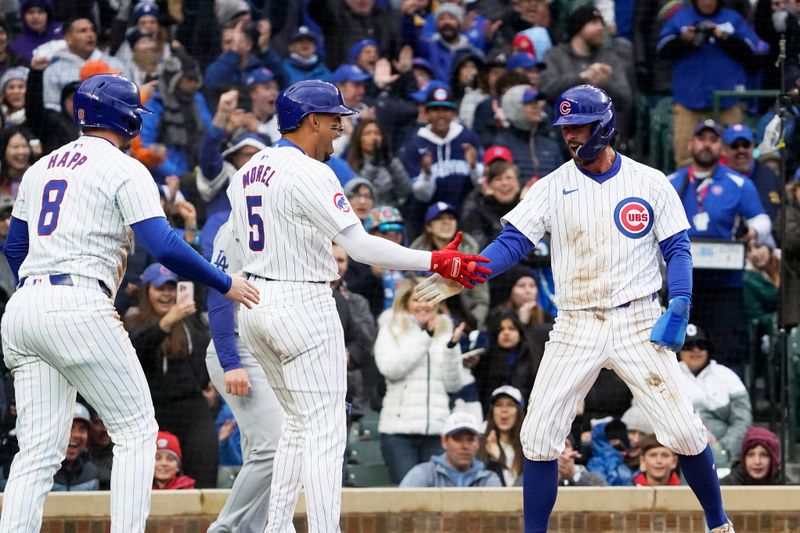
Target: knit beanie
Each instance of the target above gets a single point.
(580, 17)
(769, 440)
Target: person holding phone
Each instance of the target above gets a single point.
(170, 341)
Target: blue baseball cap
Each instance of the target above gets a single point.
(421, 95)
(356, 49)
(734, 132)
(259, 75)
(523, 60)
(531, 95)
(142, 9)
(349, 73)
(439, 97)
(437, 210)
(157, 275)
(303, 32)
(707, 124)
(424, 64)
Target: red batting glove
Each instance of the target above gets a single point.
(463, 268)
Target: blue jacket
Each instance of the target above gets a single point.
(293, 71)
(475, 34)
(717, 65)
(80, 475)
(225, 70)
(451, 172)
(548, 152)
(607, 460)
(177, 161)
(438, 54)
(437, 473)
(230, 451)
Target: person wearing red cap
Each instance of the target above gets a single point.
(759, 461)
(167, 475)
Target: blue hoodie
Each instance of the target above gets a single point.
(607, 460)
(27, 41)
(452, 174)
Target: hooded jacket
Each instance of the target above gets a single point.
(754, 437)
(607, 460)
(438, 473)
(420, 371)
(721, 400)
(66, 68)
(27, 41)
(452, 177)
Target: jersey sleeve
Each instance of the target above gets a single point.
(324, 203)
(137, 197)
(532, 215)
(749, 201)
(669, 213)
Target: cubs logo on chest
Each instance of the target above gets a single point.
(634, 217)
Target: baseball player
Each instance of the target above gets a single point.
(67, 245)
(242, 382)
(608, 217)
(287, 207)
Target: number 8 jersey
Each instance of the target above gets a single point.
(78, 201)
(286, 209)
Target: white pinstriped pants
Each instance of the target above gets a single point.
(581, 343)
(296, 335)
(58, 340)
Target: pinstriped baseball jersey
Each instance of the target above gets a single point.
(598, 228)
(286, 209)
(77, 202)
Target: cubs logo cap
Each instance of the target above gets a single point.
(707, 124)
(496, 152)
(157, 275)
(438, 209)
(440, 97)
(167, 442)
(735, 132)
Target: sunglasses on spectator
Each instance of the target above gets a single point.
(740, 144)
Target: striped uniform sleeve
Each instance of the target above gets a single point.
(323, 202)
(137, 197)
(532, 215)
(669, 213)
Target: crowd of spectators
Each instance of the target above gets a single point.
(455, 105)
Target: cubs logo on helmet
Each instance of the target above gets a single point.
(565, 107)
(341, 203)
(634, 217)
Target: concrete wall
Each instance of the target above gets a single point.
(584, 510)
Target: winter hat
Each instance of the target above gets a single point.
(30, 4)
(635, 420)
(142, 9)
(96, 66)
(248, 139)
(179, 64)
(80, 412)
(454, 9)
(616, 429)
(580, 17)
(769, 440)
(14, 73)
(134, 35)
(226, 11)
(353, 185)
(167, 442)
(384, 218)
(500, 287)
(355, 50)
(511, 103)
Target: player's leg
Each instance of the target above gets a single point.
(99, 360)
(572, 360)
(44, 416)
(259, 417)
(654, 377)
(299, 341)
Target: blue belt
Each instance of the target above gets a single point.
(66, 279)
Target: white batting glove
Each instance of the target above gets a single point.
(436, 288)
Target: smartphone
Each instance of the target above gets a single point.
(185, 292)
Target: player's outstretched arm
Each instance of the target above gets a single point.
(448, 262)
(163, 243)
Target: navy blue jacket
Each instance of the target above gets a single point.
(548, 152)
(717, 65)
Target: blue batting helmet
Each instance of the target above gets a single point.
(109, 102)
(305, 97)
(586, 104)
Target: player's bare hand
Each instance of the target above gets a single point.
(242, 291)
(463, 268)
(436, 289)
(470, 154)
(492, 446)
(237, 382)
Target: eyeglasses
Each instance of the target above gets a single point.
(740, 144)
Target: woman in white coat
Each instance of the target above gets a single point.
(417, 352)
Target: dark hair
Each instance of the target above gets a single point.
(355, 158)
(176, 344)
(508, 80)
(67, 27)
(516, 466)
(498, 168)
(5, 139)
